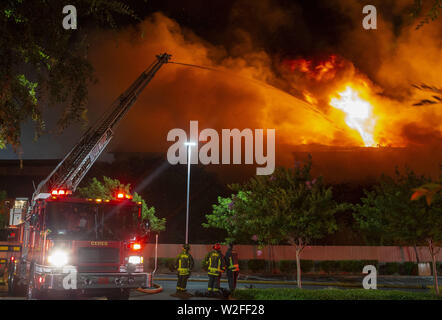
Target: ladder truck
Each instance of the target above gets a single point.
(86, 247)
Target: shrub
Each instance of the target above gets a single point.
(204, 265)
(439, 268)
(355, 266)
(161, 262)
(348, 265)
(389, 268)
(306, 265)
(287, 266)
(408, 269)
(329, 266)
(364, 263)
(168, 263)
(256, 265)
(243, 265)
(150, 263)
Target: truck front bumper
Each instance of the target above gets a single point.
(69, 279)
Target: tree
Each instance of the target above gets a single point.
(43, 65)
(223, 217)
(106, 190)
(4, 208)
(389, 210)
(289, 206)
(429, 191)
(431, 15)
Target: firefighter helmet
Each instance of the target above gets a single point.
(216, 246)
(186, 247)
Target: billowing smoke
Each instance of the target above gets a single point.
(382, 64)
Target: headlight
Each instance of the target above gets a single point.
(135, 259)
(58, 258)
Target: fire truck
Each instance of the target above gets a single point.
(82, 247)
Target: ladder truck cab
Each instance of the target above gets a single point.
(84, 246)
(87, 247)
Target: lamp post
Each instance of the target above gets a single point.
(188, 144)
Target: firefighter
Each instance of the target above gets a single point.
(215, 266)
(231, 262)
(184, 265)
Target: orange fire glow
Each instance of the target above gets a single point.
(358, 113)
(338, 84)
(320, 71)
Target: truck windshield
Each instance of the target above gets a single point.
(90, 221)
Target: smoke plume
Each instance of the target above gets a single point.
(382, 65)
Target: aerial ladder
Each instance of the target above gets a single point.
(71, 170)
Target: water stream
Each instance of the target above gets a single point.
(298, 101)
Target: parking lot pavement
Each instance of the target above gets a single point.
(198, 282)
(414, 282)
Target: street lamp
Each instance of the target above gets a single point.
(188, 144)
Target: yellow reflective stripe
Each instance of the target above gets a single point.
(182, 271)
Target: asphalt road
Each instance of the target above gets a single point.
(193, 286)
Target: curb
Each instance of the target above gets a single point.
(336, 284)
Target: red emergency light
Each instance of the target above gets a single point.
(135, 246)
(60, 192)
(121, 195)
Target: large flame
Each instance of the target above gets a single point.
(358, 113)
(335, 82)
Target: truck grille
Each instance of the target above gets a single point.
(98, 268)
(98, 255)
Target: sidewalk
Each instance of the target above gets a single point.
(405, 282)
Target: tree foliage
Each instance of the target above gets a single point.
(389, 213)
(43, 65)
(432, 13)
(3, 210)
(407, 210)
(224, 217)
(289, 205)
(106, 190)
(428, 191)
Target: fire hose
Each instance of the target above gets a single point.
(157, 289)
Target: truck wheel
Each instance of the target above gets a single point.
(122, 294)
(32, 292)
(14, 289)
(12, 285)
